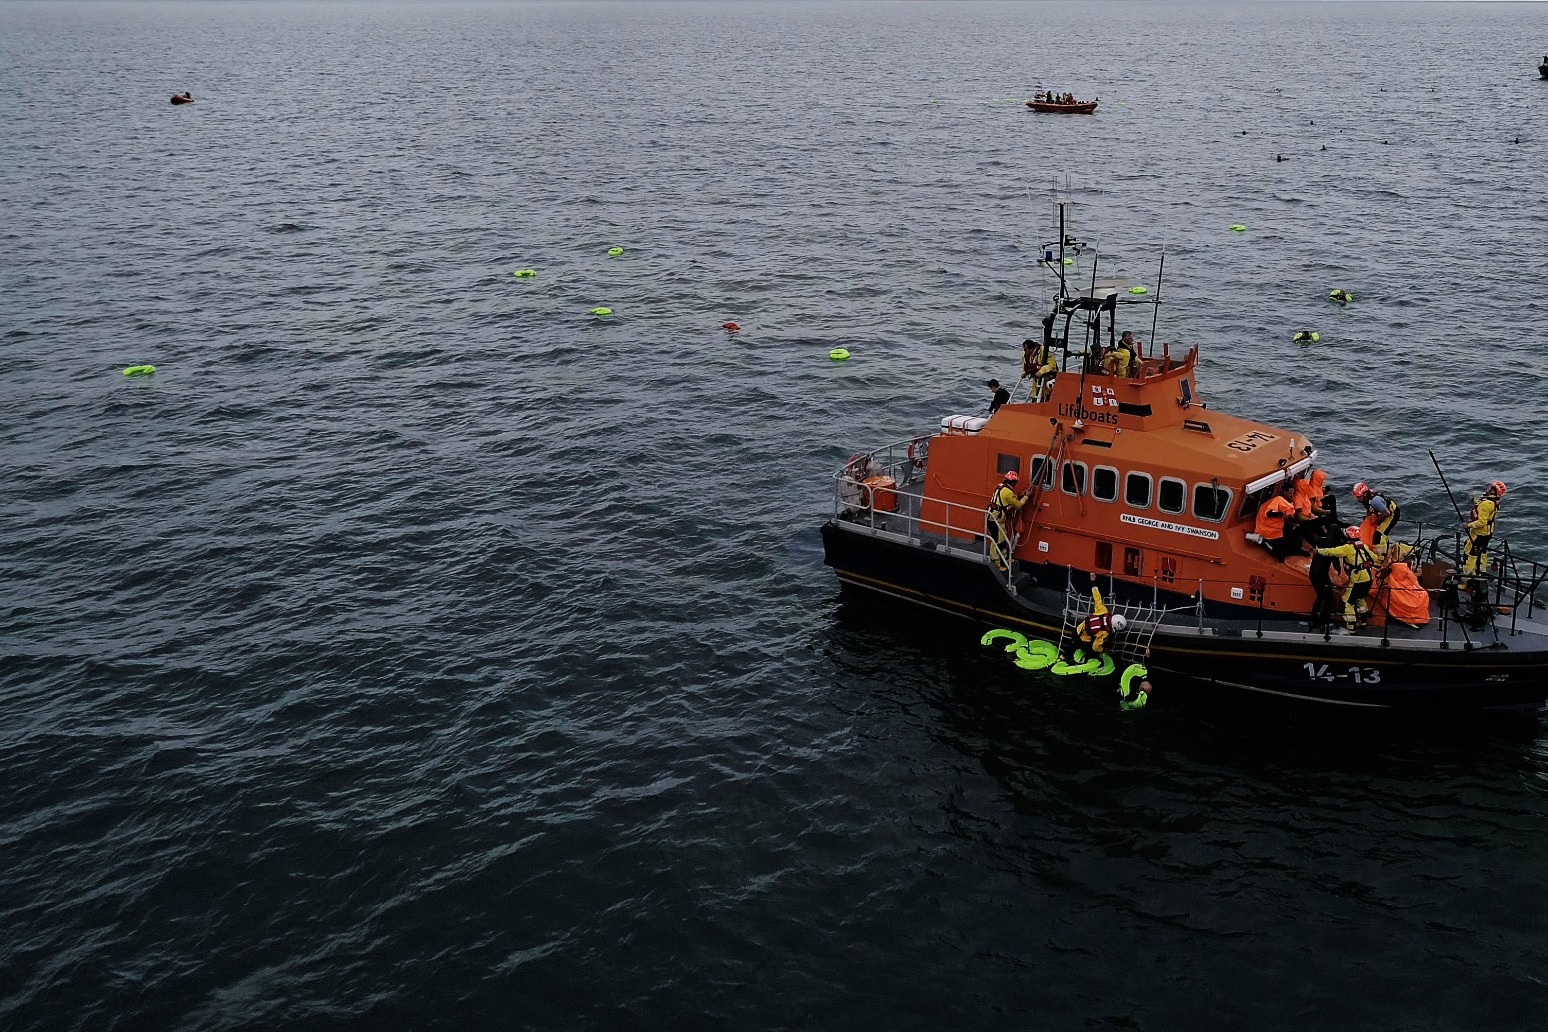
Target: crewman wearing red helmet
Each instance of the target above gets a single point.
(1381, 515)
(1360, 563)
(1480, 528)
(1004, 506)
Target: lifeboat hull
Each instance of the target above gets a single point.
(1288, 661)
(1047, 108)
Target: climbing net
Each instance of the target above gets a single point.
(1130, 645)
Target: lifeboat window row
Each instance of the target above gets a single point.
(1211, 502)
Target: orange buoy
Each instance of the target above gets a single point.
(733, 327)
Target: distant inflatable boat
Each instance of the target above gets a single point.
(1080, 107)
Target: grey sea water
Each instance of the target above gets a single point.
(415, 650)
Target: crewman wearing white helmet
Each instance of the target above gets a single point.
(1101, 624)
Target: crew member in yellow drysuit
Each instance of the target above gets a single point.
(1480, 528)
(1359, 561)
(1004, 507)
(1122, 357)
(1038, 365)
(1101, 624)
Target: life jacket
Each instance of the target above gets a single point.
(1384, 525)
(1364, 562)
(1099, 623)
(1488, 528)
(999, 508)
(1306, 498)
(1268, 527)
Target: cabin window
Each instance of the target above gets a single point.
(1173, 496)
(1074, 478)
(1104, 555)
(1168, 569)
(1040, 468)
(1136, 490)
(1133, 563)
(1006, 463)
(1104, 483)
(1211, 502)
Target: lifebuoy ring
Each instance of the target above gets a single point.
(1106, 667)
(1016, 638)
(1036, 655)
(1066, 669)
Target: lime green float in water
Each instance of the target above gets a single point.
(1139, 290)
(1238, 228)
(615, 251)
(524, 273)
(839, 355)
(599, 310)
(140, 370)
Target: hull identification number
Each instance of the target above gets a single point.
(1247, 442)
(1359, 675)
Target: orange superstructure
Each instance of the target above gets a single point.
(1133, 477)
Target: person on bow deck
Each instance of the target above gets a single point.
(1004, 507)
(1101, 625)
(1000, 396)
(1360, 564)
(1275, 528)
(1480, 528)
(1123, 355)
(1381, 515)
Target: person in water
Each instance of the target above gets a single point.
(1001, 396)
(1004, 507)
(182, 98)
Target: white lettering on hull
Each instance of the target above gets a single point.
(1174, 528)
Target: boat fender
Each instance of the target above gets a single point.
(1106, 668)
(139, 370)
(839, 355)
(1016, 638)
(1036, 655)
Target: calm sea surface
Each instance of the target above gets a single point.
(414, 650)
